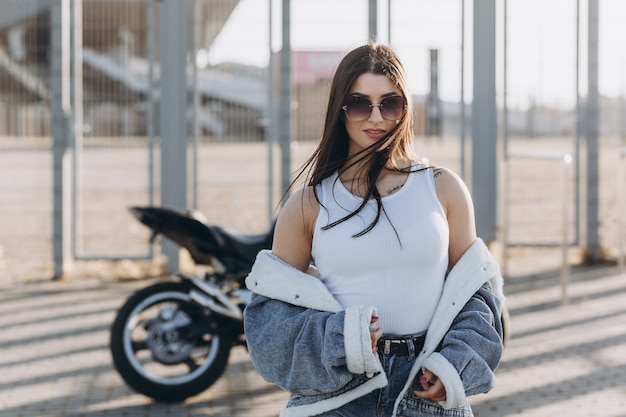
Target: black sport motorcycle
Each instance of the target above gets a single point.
(171, 340)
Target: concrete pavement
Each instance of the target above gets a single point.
(562, 360)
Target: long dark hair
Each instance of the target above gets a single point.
(331, 153)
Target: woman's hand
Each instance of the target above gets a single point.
(375, 334)
(432, 386)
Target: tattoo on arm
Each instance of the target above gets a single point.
(437, 172)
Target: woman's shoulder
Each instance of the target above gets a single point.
(450, 186)
(303, 198)
(445, 176)
(457, 203)
(293, 234)
(301, 208)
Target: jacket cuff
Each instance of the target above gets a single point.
(455, 393)
(359, 356)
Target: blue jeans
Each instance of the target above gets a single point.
(380, 403)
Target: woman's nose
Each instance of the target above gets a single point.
(375, 114)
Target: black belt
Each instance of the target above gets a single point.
(400, 347)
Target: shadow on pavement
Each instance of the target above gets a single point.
(561, 359)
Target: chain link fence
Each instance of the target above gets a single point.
(232, 84)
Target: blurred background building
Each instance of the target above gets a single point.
(116, 77)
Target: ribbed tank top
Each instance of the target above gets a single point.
(401, 272)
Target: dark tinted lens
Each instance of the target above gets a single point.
(358, 108)
(392, 108)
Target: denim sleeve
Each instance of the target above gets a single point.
(473, 344)
(301, 350)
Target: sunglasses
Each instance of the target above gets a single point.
(359, 108)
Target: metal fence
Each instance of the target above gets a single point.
(232, 85)
(523, 204)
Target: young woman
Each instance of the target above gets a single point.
(400, 313)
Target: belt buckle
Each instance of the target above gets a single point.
(387, 348)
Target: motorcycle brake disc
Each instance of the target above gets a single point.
(165, 340)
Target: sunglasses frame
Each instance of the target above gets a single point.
(381, 107)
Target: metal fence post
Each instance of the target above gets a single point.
(173, 113)
(565, 268)
(484, 120)
(372, 19)
(284, 105)
(60, 64)
(592, 130)
(77, 127)
(622, 209)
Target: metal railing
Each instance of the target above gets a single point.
(565, 160)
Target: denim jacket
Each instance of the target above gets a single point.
(301, 339)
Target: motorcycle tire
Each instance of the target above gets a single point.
(149, 353)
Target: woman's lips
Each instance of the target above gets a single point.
(375, 133)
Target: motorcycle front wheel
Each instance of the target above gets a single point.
(161, 347)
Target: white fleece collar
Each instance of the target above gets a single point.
(274, 278)
(476, 267)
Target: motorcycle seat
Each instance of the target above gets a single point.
(244, 245)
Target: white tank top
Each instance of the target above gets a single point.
(401, 274)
